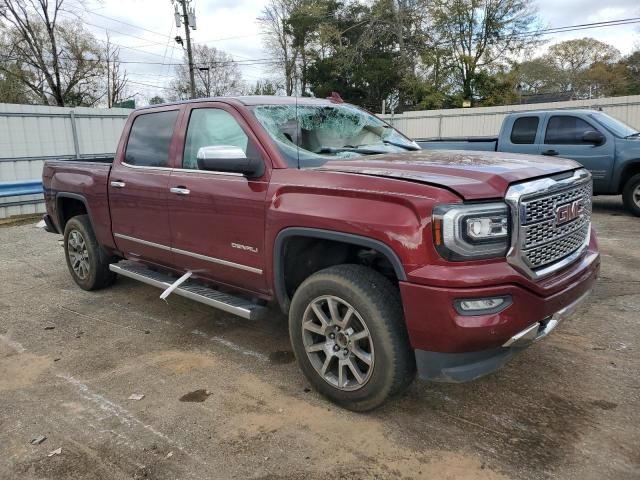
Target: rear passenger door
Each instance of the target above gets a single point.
(139, 188)
(563, 136)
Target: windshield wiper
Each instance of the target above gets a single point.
(637, 134)
(401, 145)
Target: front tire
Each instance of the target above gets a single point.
(87, 261)
(631, 195)
(349, 338)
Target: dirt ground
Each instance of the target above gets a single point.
(224, 399)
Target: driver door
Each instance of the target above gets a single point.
(217, 219)
(564, 137)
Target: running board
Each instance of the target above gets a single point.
(190, 289)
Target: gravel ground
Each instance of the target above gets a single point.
(224, 399)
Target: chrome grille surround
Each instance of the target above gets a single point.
(539, 247)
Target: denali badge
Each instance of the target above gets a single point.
(567, 212)
(244, 247)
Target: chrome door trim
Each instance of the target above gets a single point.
(199, 256)
(143, 242)
(208, 172)
(142, 167)
(219, 261)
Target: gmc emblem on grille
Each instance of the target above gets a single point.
(567, 212)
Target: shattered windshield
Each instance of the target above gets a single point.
(326, 132)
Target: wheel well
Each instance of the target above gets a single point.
(628, 172)
(302, 256)
(69, 208)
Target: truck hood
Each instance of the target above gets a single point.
(473, 175)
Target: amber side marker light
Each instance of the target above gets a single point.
(437, 231)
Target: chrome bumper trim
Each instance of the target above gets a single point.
(541, 329)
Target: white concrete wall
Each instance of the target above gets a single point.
(486, 121)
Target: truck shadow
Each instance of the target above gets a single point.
(611, 205)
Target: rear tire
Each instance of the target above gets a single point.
(87, 261)
(631, 195)
(348, 334)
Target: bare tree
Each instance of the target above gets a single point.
(217, 75)
(117, 79)
(279, 39)
(58, 61)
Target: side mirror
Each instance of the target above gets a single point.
(592, 136)
(229, 159)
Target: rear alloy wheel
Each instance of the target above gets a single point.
(349, 337)
(631, 195)
(78, 254)
(338, 343)
(88, 262)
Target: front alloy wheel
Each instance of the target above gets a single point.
(348, 334)
(338, 343)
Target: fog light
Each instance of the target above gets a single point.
(482, 306)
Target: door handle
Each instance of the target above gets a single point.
(180, 190)
(551, 153)
(118, 184)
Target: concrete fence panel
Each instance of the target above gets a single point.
(30, 134)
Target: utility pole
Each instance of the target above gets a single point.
(189, 22)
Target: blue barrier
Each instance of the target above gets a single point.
(15, 189)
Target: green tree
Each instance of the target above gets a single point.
(632, 72)
(539, 75)
(157, 100)
(263, 87)
(573, 58)
(480, 35)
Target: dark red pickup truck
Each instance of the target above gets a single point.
(387, 259)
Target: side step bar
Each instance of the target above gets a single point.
(190, 289)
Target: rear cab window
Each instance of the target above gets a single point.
(150, 138)
(524, 130)
(566, 130)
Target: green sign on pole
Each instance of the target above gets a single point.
(125, 104)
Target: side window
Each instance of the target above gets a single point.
(566, 130)
(149, 140)
(524, 130)
(211, 127)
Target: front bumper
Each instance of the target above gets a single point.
(464, 367)
(453, 347)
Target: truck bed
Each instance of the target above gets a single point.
(84, 180)
(484, 144)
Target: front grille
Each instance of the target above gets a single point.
(542, 240)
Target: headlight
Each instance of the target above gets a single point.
(464, 232)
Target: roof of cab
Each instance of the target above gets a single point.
(572, 111)
(251, 100)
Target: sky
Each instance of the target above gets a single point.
(145, 30)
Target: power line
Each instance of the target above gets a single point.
(149, 85)
(93, 12)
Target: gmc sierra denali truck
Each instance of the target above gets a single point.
(605, 146)
(387, 259)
